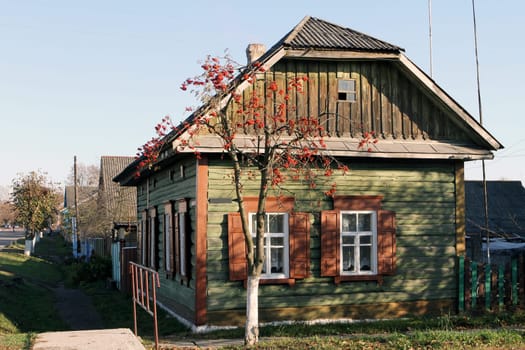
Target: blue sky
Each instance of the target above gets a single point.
(92, 78)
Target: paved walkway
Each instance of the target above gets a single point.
(76, 309)
(103, 339)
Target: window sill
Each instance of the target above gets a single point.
(357, 278)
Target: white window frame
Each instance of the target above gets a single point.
(167, 236)
(143, 230)
(350, 95)
(267, 238)
(357, 243)
(182, 244)
(152, 257)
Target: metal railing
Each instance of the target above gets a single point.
(145, 282)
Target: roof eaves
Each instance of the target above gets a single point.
(469, 120)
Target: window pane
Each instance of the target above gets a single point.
(365, 257)
(275, 223)
(348, 239)
(365, 240)
(277, 260)
(277, 241)
(349, 222)
(346, 85)
(348, 259)
(254, 224)
(365, 221)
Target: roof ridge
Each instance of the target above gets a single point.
(293, 33)
(316, 32)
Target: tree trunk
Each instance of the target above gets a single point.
(251, 335)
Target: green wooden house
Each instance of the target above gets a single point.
(385, 246)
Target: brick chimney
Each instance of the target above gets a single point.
(254, 51)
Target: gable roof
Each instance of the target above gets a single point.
(85, 193)
(119, 202)
(506, 207)
(314, 38)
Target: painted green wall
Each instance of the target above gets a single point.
(422, 193)
(173, 292)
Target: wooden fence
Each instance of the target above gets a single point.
(121, 256)
(491, 287)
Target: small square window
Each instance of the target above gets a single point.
(346, 90)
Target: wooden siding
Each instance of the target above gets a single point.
(173, 293)
(388, 102)
(421, 193)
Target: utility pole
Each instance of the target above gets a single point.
(484, 180)
(76, 204)
(430, 33)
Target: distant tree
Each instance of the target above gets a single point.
(36, 201)
(87, 175)
(7, 213)
(87, 182)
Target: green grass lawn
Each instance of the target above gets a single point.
(26, 304)
(27, 308)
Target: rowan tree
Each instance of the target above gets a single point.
(250, 113)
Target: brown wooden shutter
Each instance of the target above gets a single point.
(176, 230)
(386, 242)
(329, 243)
(173, 245)
(169, 235)
(236, 248)
(299, 245)
(187, 243)
(155, 242)
(144, 238)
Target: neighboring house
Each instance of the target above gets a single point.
(117, 205)
(506, 218)
(402, 205)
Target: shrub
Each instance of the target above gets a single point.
(97, 268)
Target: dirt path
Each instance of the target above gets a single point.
(76, 309)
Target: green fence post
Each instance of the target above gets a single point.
(514, 281)
(474, 284)
(488, 285)
(461, 284)
(501, 289)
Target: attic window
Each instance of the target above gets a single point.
(346, 90)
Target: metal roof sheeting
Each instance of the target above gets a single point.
(349, 147)
(506, 207)
(316, 33)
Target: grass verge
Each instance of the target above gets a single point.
(116, 310)
(27, 308)
(27, 304)
(477, 339)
